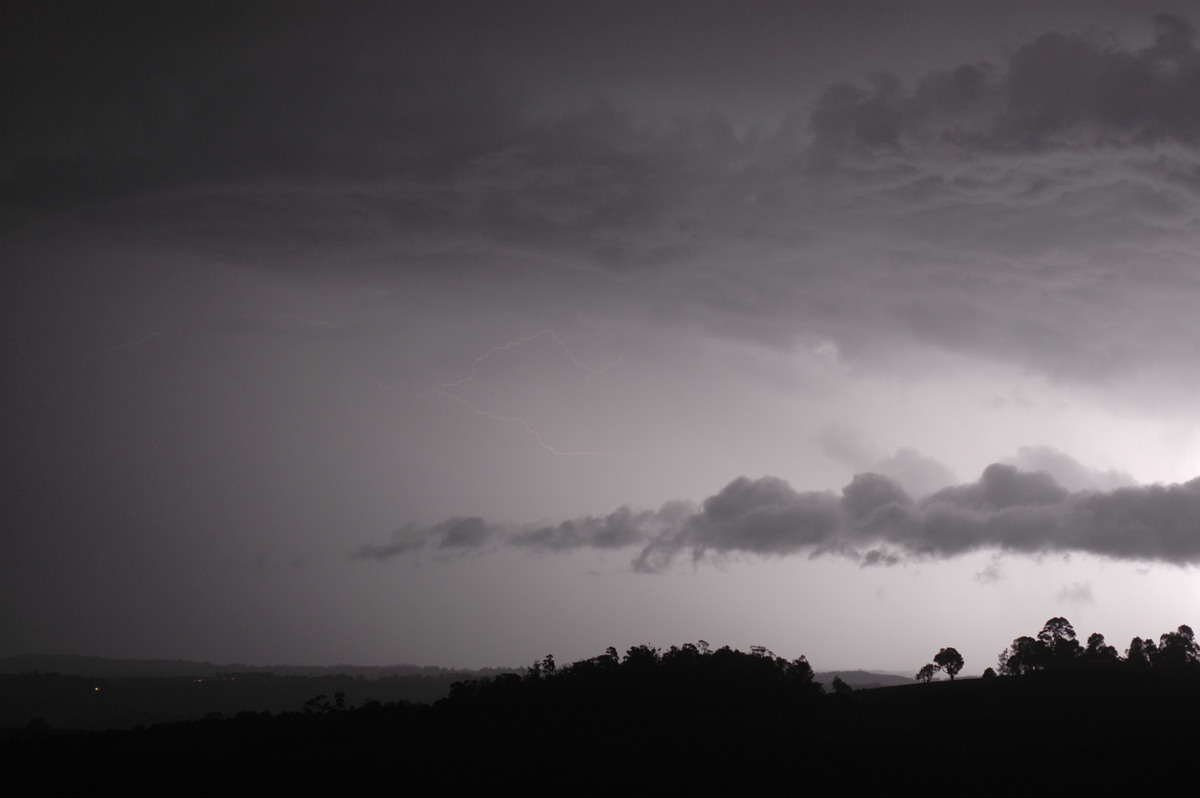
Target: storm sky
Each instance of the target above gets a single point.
(463, 333)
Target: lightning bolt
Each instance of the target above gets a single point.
(446, 389)
(513, 345)
(524, 425)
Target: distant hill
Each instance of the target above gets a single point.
(861, 680)
(718, 723)
(79, 692)
(104, 668)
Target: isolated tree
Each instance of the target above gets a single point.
(926, 673)
(1056, 629)
(841, 687)
(949, 660)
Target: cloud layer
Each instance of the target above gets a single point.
(250, 239)
(1040, 211)
(1060, 90)
(873, 520)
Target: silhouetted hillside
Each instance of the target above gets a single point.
(689, 719)
(102, 667)
(76, 702)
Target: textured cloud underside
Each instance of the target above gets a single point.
(873, 520)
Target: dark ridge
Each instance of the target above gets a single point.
(103, 667)
(688, 719)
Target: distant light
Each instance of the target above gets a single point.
(96, 689)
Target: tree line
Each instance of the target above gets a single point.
(691, 718)
(1056, 649)
(647, 677)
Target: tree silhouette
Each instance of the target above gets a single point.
(1059, 648)
(1057, 651)
(1022, 657)
(926, 673)
(1140, 653)
(1098, 652)
(1178, 650)
(321, 705)
(949, 660)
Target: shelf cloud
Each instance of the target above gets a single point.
(873, 520)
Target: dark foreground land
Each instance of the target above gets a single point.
(682, 721)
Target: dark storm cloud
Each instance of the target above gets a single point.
(616, 530)
(762, 516)
(118, 101)
(874, 520)
(1058, 90)
(456, 535)
(918, 474)
(423, 115)
(1067, 471)
(1039, 211)
(1002, 487)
